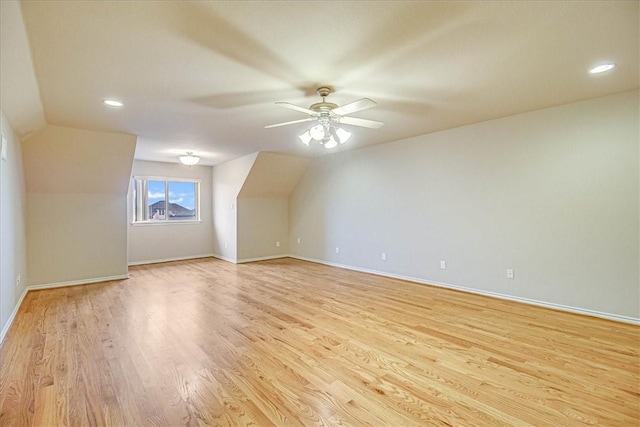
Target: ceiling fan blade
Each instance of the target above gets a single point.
(372, 124)
(301, 109)
(290, 123)
(359, 105)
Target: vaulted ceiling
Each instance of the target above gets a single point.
(204, 76)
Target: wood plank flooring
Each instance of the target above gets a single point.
(287, 342)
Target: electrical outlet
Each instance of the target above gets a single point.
(384, 256)
(337, 250)
(443, 265)
(18, 280)
(298, 240)
(509, 274)
(226, 246)
(277, 244)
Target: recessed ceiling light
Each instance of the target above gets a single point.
(113, 103)
(601, 68)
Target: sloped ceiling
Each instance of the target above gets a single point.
(203, 76)
(66, 160)
(273, 175)
(19, 94)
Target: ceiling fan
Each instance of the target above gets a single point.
(328, 116)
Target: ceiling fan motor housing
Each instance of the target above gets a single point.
(323, 107)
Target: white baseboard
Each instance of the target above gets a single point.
(577, 310)
(6, 328)
(264, 258)
(247, 260)
(183, 258)
(77, 282)
(225, 258)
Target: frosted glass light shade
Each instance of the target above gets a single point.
(189, 159)
(331, 143)
(305, 138)
(317, 132)
(343, 135)
(327, 135)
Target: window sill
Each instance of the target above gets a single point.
(153, 223)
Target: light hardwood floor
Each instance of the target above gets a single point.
(288, 342)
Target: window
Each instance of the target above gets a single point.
(150, 195)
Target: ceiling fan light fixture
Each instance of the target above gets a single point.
(343, 135)
(331, 143)
(189, 159)
(317, 132)
(327, 116)
(305, 138)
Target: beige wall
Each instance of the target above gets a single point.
(148, 243)
(76, 182)
(75, 237)
(262, 222)
(251, 205)
(13, 260)
(228, 179)
(552, 194)
(263, 205)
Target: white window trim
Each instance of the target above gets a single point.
(139, 203)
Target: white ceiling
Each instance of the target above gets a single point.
(204, 76)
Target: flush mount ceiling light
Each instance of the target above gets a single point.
(328, 116)
(113, 103)
(602, 68)
(189, 159)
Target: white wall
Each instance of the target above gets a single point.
(77, 182)
(552, 194)
(148, 243)
(12, 228)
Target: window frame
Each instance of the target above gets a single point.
(139, 186)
